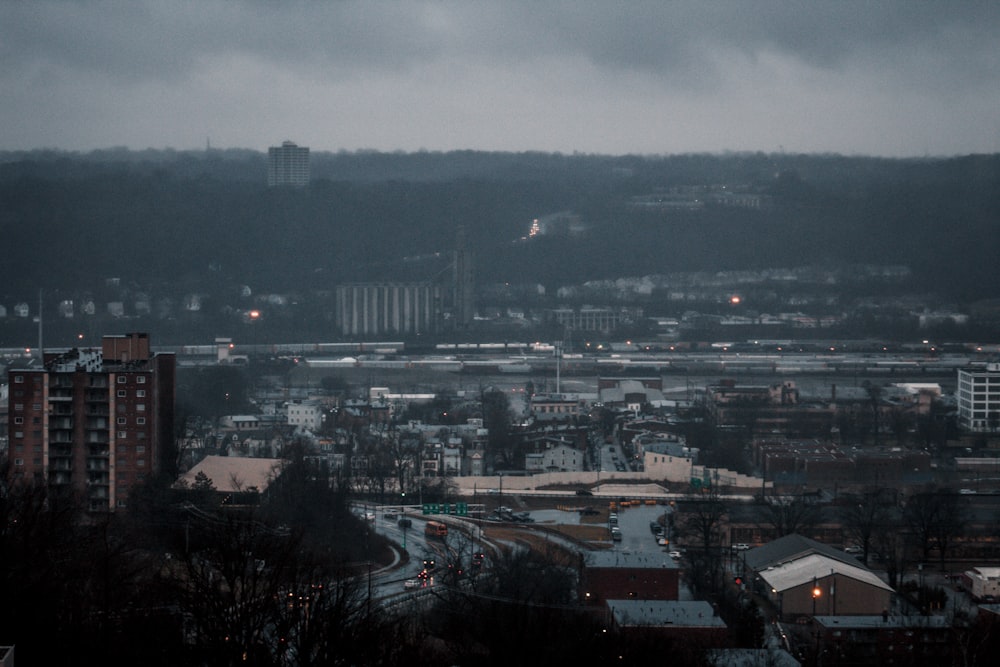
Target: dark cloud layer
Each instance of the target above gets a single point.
(566, 76)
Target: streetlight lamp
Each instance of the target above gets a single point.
(402, 513)
(816, 592)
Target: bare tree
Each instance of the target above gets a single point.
(788, 514)
(701, 517)
(866, 513)
(935, 518)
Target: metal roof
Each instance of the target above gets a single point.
(816, 566)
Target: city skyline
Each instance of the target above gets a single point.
(895, 79)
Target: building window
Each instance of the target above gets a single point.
(141, 407)
(140, 393)
(140, 420)
(140, 449)
(141, 463)
(141, 379)
(122, 393)
(18, 379)
(122, 420)
(18, 434)
(120, 502)
(122, 379)
(141, 435)
(18, 407)
(18, 420)
(36, 406)
(19, 462)
(122, 435)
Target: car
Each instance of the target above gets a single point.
(662, 541)
(411, 583)
(616, 534)
(493, 492)
(676, 555)
(369, 516)
(390, 515)
(853, 549)
(589, 511)
(404, 522)
(584, 492)
(742, 546)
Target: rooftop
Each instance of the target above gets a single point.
(695, 613)
(808, 568)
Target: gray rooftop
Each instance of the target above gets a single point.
(630, 559)
(651, 613)
(791, 547)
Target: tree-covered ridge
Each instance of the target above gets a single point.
(193, 220)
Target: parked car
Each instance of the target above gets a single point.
(742, 546)
(616, 534)
(404, 522)
(411, 583)
(676, 555)
(583, 492)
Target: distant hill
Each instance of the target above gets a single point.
(206, 220)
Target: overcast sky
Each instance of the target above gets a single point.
(904, 78)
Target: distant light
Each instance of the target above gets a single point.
(735, 300)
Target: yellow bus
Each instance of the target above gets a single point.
(436, 529)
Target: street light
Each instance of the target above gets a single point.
(817, 591)
(402, 513)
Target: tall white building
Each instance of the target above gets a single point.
(288, 164)
(979, 398)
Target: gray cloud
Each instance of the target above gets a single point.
(398, 71)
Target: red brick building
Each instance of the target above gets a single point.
(620, 575)
(92, 422)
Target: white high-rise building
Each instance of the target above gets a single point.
(288, 164)
(979, 398)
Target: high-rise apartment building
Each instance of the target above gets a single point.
(979, 398)
(92, 422)
(288, 164)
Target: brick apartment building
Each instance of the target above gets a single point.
(92, 422)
